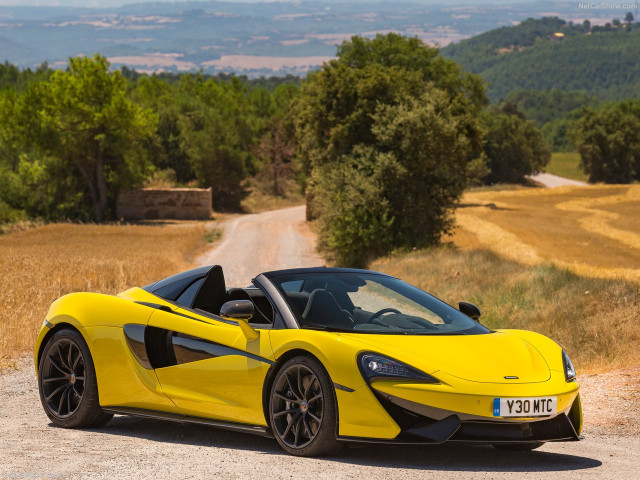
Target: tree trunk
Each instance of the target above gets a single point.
(92, 188)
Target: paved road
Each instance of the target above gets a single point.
(130, 448)
(552, 181)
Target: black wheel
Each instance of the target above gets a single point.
(518, 447)
(303, 410)
(67, 382)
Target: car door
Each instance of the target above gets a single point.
(207, 366)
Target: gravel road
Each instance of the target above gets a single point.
(260, 242)
(129, 448)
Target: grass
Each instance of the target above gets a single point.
(40, 264)
(594, 319)
(566, 165)
(593, 231)
(213, 235)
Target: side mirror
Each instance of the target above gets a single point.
(240, 311)
(470, 310)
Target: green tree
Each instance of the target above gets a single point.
(169, 103)
(386, 132)
(98, 131)
(31, 181)
(218, 136)
(276, 146)
(75, 137)
(514, 147)
(608, 140)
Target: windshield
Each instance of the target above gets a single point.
(370, 303)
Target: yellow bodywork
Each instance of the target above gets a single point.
(470, 369)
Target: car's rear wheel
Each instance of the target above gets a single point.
(302, 408)
(67, 382)
(518, 447)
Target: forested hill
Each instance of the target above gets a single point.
(540, 54)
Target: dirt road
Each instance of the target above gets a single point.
(129, 448)
(261, 242)
(551, 181)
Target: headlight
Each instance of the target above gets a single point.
(569, 371)
(374, 366)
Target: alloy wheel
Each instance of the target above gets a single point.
(297, 406)
(63, 378)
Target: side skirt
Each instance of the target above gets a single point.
(174, 417)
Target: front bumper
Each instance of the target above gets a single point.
(423, 424)
(440, 413)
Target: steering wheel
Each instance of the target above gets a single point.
(379, 313)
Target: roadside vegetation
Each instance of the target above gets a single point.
(42, 263)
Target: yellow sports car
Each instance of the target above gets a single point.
(313, 357)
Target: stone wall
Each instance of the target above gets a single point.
(167, 203)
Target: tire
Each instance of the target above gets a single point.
(518, 447)
(303, 412)
(67, 382)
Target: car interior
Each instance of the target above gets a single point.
(345, 302)
(210, 293)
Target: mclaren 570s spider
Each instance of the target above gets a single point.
(313, 357)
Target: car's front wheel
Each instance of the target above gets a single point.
(67, 382)
(302, 410)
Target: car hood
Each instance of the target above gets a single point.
(487, 358)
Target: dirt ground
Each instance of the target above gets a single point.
(31, 447)
(127, 447)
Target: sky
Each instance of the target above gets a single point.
(117, 3)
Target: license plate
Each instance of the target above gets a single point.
(525, 407)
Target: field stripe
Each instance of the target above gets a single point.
(597, 221)
(498, 239)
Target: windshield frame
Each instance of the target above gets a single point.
(274, 280)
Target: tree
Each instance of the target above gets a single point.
(514, 147)
(608, 140)
(628, 18)
(77, 136)
(218, 135)
(276, 147)
(169, 103)
(386, 132)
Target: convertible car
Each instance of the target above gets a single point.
(314, 357)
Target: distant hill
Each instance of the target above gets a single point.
(546, 53)
(266, 38)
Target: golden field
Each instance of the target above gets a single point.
(40, 264)
(564, 262)
(593, 230)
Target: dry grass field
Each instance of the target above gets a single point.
(564, 262)
(40, 264)
(593, 231)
